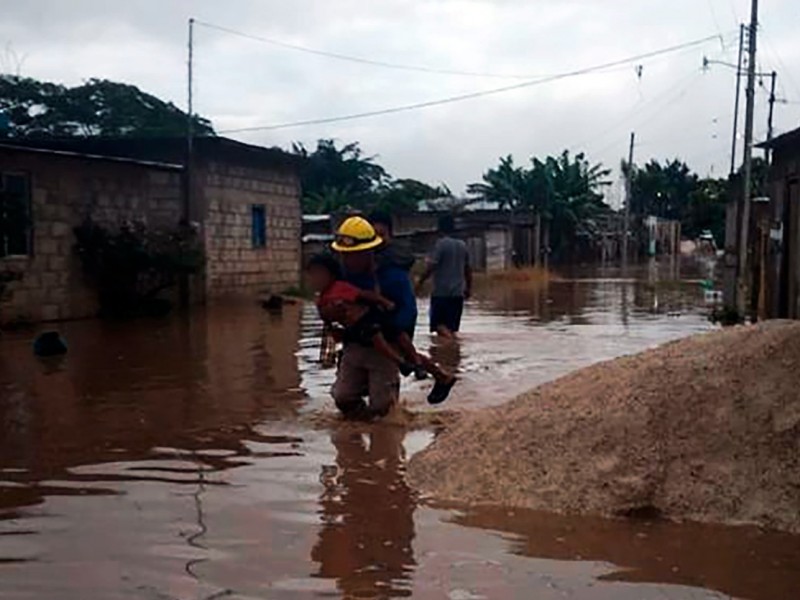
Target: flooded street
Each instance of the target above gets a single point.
(200, 457)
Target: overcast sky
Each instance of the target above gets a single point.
(675, 107)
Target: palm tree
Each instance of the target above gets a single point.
(355, 177)
(575, 198)
(565, 191)
(505, 186)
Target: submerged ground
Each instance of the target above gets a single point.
(200, 457)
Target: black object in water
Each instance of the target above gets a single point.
(273, 303)
(49, 343)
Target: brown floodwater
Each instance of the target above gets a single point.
(200, 457)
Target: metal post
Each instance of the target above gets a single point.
(189, 121)
(773, 77)
(628, 194)
(184, 285)
(736, 105)
(744, 267)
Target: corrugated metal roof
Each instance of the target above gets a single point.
(83, 155)
(169, 149)
(790, 137)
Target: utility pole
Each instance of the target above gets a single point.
(743, 283)
(628, 194)
(738, 93)
(189, 120)
(773, 77)
(184, 288)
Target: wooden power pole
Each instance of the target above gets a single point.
(743, 283)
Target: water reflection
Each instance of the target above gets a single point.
(743, 562)
(124, 390)
(181, 458)
(365, 541)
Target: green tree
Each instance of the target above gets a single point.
(96, 108)
(662, 190)
(706, 209)
(506, 185)
(568, 194)
(339, 179)
(406, 195)
(564, 190)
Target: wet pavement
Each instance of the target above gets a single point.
(200, 457)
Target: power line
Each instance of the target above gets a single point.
(785, 73)
(734, 12)
(478, 94)
(714, 16)
(361, 59)
(634, 115)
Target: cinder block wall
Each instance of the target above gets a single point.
(63, 191)
(233, 265)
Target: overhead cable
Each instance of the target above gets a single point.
(362, 60)
(481, 93)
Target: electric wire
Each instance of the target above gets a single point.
(634, 115)
(785, 73)
(477, 94)
(360, 59)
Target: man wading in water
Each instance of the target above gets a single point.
(452, 280)
(362, 370)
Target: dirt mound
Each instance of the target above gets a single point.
(706, 428)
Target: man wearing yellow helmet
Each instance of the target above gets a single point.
(362, 370)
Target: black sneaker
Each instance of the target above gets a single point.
(441, 391)
(420, 374)
(406, 369)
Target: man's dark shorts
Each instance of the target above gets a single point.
(446, 312)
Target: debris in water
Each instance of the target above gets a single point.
(49, 343)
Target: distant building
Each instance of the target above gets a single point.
(245, 200)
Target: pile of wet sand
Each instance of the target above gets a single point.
(706, 428)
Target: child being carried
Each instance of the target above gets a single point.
(364, 315)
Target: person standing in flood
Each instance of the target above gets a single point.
(362, 370)
(449, 266)
(391, 252)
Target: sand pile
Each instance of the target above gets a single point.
(706, 428)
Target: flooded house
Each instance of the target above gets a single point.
(244, 200)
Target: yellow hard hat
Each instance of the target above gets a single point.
(356, 234)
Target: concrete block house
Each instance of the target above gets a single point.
(245, 200)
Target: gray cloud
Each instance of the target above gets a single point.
(675, 108)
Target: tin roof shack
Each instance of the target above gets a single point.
(500, 239)
(779, 241)
(246, 199)
(44, 194)
(495, 239)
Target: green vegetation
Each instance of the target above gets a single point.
(343, 179)
(565, 190)
(96, 108)
(132, 265)
(6, 277)
(671, 190)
